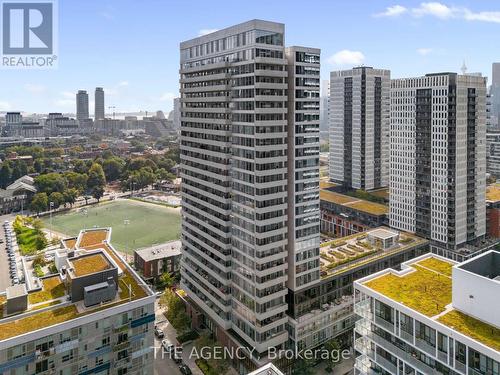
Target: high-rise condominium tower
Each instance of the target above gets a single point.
(437, 174)
(244, 143)
(99, 104)
(359, 127)
(82, 105)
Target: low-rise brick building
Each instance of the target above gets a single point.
(153, 261)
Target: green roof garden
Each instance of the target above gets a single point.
(426, 288)
(469, 326)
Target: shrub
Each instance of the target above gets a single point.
(38, 270)
(188, 336)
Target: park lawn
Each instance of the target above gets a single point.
(134, 224)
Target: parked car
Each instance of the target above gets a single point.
(159, 333)
(177, 357)
(168, 346)
(185, 370)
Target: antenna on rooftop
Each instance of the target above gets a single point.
(464, 68)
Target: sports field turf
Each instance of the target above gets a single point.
(134, 224)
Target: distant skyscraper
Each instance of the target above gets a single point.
(495, 94)
(82, 105)
(359, 127)
(437, 158)
(324, 99)
(495, 76)
(177, 113)
(99, 104)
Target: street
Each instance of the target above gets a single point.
(163, 364)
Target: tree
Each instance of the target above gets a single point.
(19, 169)
(50, 182)
(37, 225)
(70, 196)
(333, 347)
(39, 165)
(76, 180)
(96, 177)
(218, 365)
(39, 203)
(98, 192)
(176, 311)
(166, 280)
(79, 166)
(56, 198)
(113, 168)
(303, 367)
(5, 175)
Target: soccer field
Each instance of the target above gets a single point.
(134, 224)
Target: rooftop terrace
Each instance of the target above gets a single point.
(346, 253)
(426, 287)
(54, 293)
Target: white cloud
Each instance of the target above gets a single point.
(34, 88)
(442, 11)
(393, 11)
(123, 83)
(168, 96)
(5, 106)
(482, 16)
(435, 9)
(347, 57)
(206, 31)
(424, 51)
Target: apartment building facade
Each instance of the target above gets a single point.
(359, 127)
(437, 159)
(446, 324)
(303, 166)
(242, 136)
(493, 152)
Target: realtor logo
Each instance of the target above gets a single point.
(29, 34)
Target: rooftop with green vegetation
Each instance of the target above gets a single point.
(343, 254)
(469, 326)
(43, 304)
(89, 264)
(427, 288)
(493, 192)
(354, 203)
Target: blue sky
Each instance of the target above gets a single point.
(130, 47)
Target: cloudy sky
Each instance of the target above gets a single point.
(130, 47)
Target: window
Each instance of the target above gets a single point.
(384, 311)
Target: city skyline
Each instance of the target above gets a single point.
(149, 81)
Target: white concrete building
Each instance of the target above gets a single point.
(434, 316)
(437, 159)
(359, 127)
(236, 143)
(58, 125)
